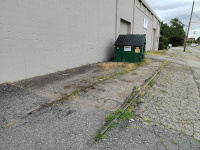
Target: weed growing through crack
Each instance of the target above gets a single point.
(175, 143)
(98, 136)
(126, 115)
(181, 131)
(147, 120)
(114, 124)
(163, 91)
(129, 112)
(123, 115)
(151, 83)
(109, 118)
(133, 90)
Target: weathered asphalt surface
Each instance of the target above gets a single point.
(169, 117)
(67, 125)
(176, 55)
(195, 50)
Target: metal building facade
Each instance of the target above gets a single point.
(43, 36)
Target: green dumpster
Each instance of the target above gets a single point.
(130, 48)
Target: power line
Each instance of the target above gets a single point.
(196, 15)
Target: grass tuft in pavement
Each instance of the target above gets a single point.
(125, 65)
(98, 136)
(158, 53)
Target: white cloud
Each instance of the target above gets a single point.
(181, 9)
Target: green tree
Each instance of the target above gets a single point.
(177, 33)
(198, 39)
(165, 33)
(165, 30)
(173, 33)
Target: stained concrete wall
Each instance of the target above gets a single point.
(153, 23)
(43, 36)
(124, 12)
(38, 37)
(139, 27)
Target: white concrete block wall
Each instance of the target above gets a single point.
(157, 27)
(38, 37)
(43, 36)
(125, 12)
(139, 27)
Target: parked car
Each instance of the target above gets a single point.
(193, 45)
(170, 45)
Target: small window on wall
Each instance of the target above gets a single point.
(138, 3)
(145, 23)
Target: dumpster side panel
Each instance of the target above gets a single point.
(137, 54)
(118, 53)
(127, 56)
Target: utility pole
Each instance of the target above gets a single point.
(188, 27)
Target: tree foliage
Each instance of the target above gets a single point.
(172, 33)
(198, 39)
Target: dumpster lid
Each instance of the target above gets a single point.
(131, 40)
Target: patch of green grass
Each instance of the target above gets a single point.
(109, 118)
(181, 131)
(151, 83)
(133, 90)
(147, 120)
(114, 124)
(161, 140)
(163, 91)
(174, 142)
(98, 136)
(126, 115)
(147, 130)
(123, 126)
(74, 93)
(138, 63)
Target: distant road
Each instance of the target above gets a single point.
(194, 50)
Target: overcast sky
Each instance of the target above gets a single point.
(181, 9)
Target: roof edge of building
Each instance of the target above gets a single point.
(147, 5)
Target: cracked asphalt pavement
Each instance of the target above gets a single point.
(169, 116)
(70, 124)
